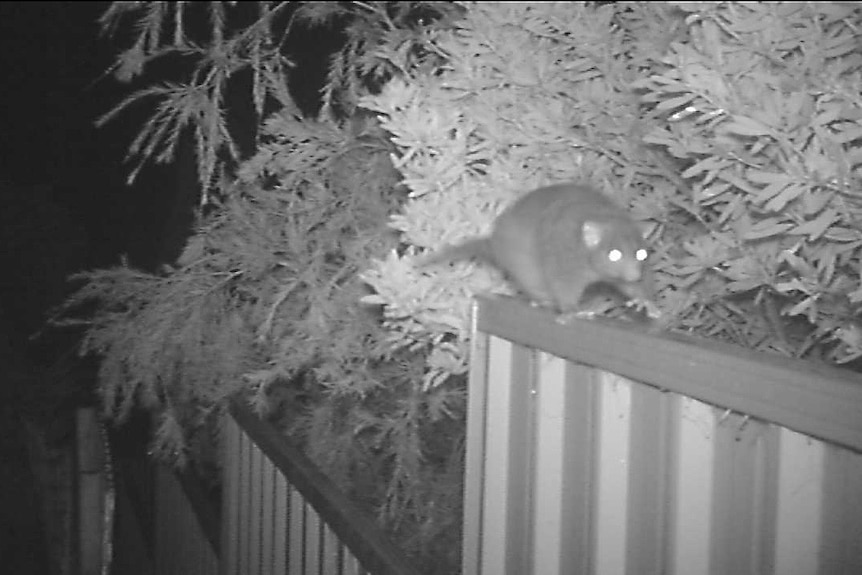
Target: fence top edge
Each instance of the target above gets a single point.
(822, 401)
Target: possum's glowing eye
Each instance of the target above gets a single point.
(641, 255)
(615, 255)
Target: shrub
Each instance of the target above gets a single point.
(730, 129)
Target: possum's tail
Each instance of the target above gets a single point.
(479, 248)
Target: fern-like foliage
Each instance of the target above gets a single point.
(384, 40)
(176, 344)
(265, 300)
(382, 37)
(218, 55)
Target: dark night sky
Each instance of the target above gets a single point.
(51, 59)
(51, 54)
(54, 61)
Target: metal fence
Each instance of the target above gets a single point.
(595, 448)
(281, 515)
(592, 449)
(278, 515)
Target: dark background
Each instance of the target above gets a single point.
(60, 187)
(65, 207)
(52, 62)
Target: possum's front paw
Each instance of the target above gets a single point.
(645, 306)
(565, 318)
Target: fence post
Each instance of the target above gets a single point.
(91, 485)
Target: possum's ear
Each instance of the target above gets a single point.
(591, 233)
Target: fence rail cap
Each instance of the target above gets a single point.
(819, 400)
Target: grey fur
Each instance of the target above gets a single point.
(553, 244)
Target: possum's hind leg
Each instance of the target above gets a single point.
(525, 272)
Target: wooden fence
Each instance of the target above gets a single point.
(600, 449)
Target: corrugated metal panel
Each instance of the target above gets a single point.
(693, 479)
(474, 460)
(799, 505)
(295, 539)
(181, 545)
(230, 498)
(131, 547)
(497, 488)
(280, 517)
(612, 496)
(256, 512)
(551, 521)
(269, 528)
(742, 530)
(652, 457)
(571, 469)
(840, 543)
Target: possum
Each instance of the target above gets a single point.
(556, 242)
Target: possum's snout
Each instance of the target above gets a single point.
(631, 272)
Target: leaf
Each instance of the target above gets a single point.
(732, 208)
(845, 134)
(805, 306)
(799, 265)
(815, 200)
(738, 182)
(764, 177)
(791, 286)
(674, 103)
(766, 228)
(818, 226)
(745, 126)
(787, 195)
(842, 45)
(828, 113)
(661, 137)
(771, 191)
(702, 166)
(844, 235)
